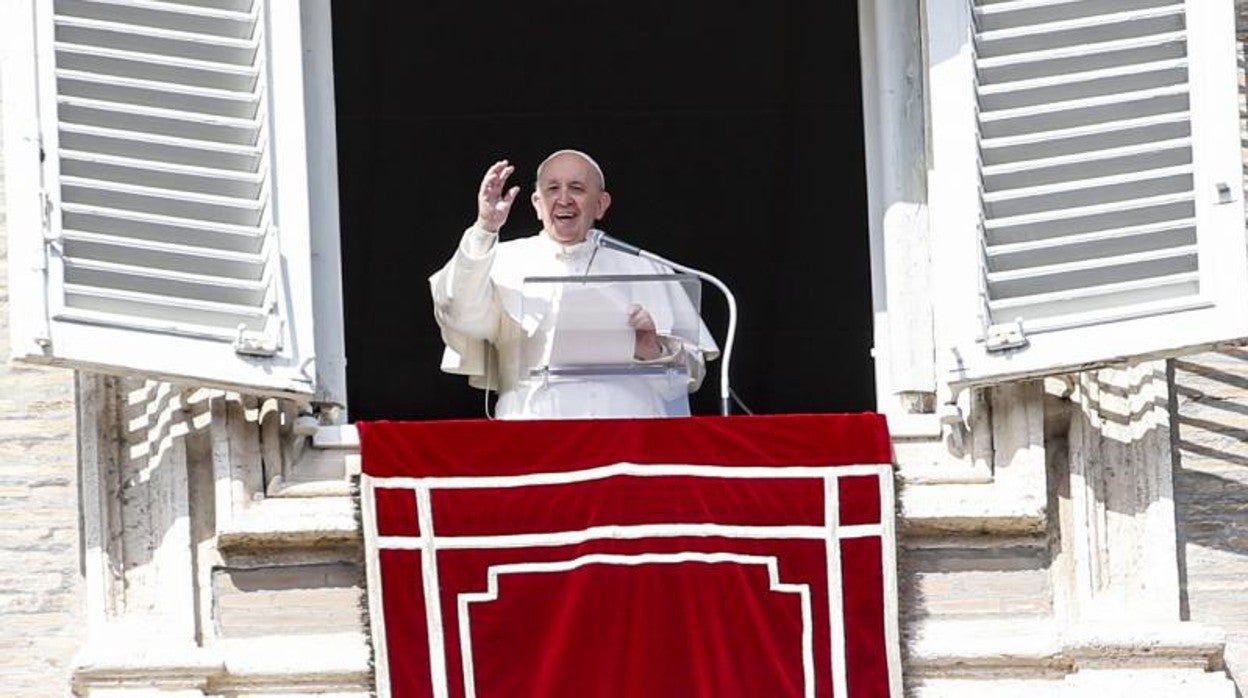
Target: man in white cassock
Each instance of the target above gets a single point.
(501, 331)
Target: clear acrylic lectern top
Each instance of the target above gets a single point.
(579, 355)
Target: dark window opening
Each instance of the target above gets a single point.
(731, 139)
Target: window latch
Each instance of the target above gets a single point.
(263, 343)
(1005, 336)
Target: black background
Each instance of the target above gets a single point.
(731, 139)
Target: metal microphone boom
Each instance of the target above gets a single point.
(725, 391)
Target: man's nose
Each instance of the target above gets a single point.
(563, 196)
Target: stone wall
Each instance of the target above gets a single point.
(1211, 495)
(42, 611)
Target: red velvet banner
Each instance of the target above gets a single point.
(736, 557)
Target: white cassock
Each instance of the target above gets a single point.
(494, 337)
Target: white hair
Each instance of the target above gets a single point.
(602, 179)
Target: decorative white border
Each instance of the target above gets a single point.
(836, 601)
(888, 555)
(624, 532)
(428, 542)
(770, 562)
(372, 572)
(433, 599)
(726, 472)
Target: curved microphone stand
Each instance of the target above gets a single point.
(725, 389)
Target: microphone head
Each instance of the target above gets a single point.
(603, 240)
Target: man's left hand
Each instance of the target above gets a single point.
(647, 346)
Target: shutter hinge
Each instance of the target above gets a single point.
(45, 216)
(1226, 195)
(1003, 336)
(51, 241)
(45, 210)
(264, 343)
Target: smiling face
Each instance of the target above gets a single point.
(569, 198)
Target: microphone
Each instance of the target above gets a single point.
(601, 239)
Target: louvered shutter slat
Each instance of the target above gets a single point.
(1071, 59)
(216, 289)
(1073, 87)
(180, 204)
(147, 227)
(1033, 279)
(164, 255)
(230, 277)
(1081, 306)
(1065, 196)
(1084, 140)
(998, 15)
(182, 316)
(158, 121)
(156, 173)
(1099, 163)
(167, 149)
(1088, 219)
(154, 41)
(236, 5)
(155, 68)
(1084, 112)
(1101, 244)
(104, 89)
(181, 17)
(1089, 23)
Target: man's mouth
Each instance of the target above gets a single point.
(565, 215)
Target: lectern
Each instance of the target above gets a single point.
(579, 353)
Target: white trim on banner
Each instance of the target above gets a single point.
(727, 472)
(773, 576)
(433, 596)
(836, 601)
(372, 573)
(633, 532)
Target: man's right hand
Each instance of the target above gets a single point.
(493, 205)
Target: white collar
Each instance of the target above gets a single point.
(576, 250)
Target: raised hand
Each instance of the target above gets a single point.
(493, 206)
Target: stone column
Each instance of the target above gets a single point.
(139, 557)
(1118, 592)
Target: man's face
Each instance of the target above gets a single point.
(569, 198)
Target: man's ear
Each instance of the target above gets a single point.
(537, 204)
(604, 201)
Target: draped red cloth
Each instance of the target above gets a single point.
(735, 557)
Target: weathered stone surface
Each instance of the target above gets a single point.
(971, 578)
(298, 599)
(1211, 494)
(41, 608)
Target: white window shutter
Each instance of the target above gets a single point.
(172, 237)
(1095, 211)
